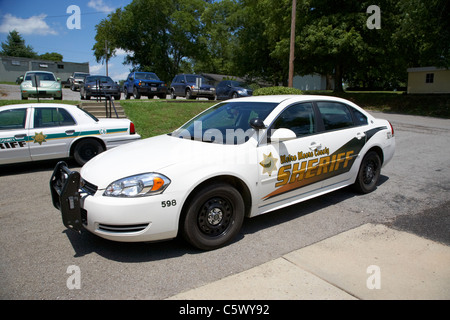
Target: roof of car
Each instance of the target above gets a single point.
(38, 105)
(281, 98)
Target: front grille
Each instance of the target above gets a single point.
(88, 187)
(122, 228)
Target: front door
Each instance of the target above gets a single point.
(289, 170)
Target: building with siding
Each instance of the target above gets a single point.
(428, 80)
(13, 67)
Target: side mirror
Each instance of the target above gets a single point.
(58, 79)
(282, 134)
(257, 124)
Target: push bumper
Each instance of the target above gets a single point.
(64, 188)
(117, 219)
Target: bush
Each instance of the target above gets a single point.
(276, 91)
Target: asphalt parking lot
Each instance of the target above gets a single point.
(38, 255)
(12, 92)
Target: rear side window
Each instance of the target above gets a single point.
(13, 119)
(335, 115)
(52, 117)
(360, 118)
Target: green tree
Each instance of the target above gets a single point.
(53, 56)
(157, 34)
(219, 37)
(15, 46)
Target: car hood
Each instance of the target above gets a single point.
(154, 154)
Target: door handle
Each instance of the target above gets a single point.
(314, 146)
(70, 132)
(20, 136)
(360, 135)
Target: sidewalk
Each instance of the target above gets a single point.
(369, 262)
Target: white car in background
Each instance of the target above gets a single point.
(240, 158)
(40, 131)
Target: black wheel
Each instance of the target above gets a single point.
(369, 173)
(172, 94)
(214, 217)
(189, 95)
(136, 93)
(86, 149)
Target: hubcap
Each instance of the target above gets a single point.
(215, 216)
(369, 172)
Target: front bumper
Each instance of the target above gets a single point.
(152, 90)
(102, 93)
(43, 93)
(117, 219)
(203, 93)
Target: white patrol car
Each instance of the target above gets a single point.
(50, 131)
(240, 158)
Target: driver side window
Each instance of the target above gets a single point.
(298, 118)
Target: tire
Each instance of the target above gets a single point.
(369, 173)
(125, 93)
(189, 95)
(172, 94)
(86, 149)
(214, 217)
(136, 93)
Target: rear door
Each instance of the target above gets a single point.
(14, 135)
(344, 135)
(53, 130)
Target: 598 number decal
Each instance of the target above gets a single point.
(168, 203)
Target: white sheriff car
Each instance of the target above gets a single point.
(39, 131)
(240, 158)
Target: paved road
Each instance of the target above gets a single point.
(37, 255)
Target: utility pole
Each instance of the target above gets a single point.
(106, 55)
(292, 48)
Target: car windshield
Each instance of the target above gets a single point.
(225, 123)
(239, 84)
(193, 79)
(101, 79)
(146, 76)
(80, 75)
(43, 76)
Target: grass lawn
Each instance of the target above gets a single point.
(154, 117)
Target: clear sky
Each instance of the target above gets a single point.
(46, 26)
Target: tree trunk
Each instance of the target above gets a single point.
(338, 75)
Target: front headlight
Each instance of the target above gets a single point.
(140, 185)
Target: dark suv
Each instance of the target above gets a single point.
(144, 84)
(191, 86)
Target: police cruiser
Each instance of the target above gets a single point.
(42, 131)
(240, 158)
